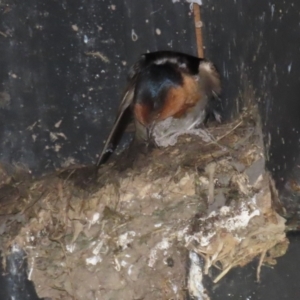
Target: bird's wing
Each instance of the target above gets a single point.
(125, 103)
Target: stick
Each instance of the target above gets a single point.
(199, 39)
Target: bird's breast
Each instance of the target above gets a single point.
(168, 101)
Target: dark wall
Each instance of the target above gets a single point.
(57, 102)
(256, 44)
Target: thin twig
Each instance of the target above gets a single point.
(262, 257)
(222, 274)
(3, 34)
(33, 202)
(226, 134)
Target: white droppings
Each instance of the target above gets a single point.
(85, 39)
(290, 67)
(95, 218)
(93, 260)
(170, 44)
(225, 218)
(163, 245)
(12, 75)
(195, 286)
(134, 36)
(224, 210)
(70, 248)
(57, 147)
(129, 272)
(181, 234)
(124, 263)
(57, 124)
(237, 221)
(205, 240)
(75, 27)
(174, 288)
(253, 199)
(156, 196)
(126, 238)
(158, 31)
(55, 135)
(29, 237)
(272, 10)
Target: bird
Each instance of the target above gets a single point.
(168, 94)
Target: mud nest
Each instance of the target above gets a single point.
(131, 232)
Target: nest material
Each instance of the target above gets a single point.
(127, 235)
